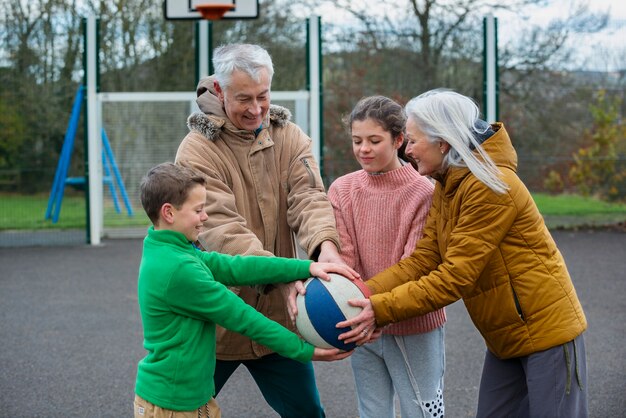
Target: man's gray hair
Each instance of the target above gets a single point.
(250, 59)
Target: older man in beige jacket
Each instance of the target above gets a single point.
(263, 189)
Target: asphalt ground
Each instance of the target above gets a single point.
(70, 335)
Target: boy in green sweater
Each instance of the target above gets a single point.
(182, 296)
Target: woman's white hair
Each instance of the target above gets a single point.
(444, 115)
(250, 59)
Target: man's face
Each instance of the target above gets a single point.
(246, 101)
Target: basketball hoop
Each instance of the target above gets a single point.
(214, 11)
(186, 9)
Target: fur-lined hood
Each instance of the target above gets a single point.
(212, 119)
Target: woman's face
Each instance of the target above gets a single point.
(428, 155)
(373, 147)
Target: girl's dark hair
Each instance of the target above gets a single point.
(387, 113)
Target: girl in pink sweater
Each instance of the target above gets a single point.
(380, 211)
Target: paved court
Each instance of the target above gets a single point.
(71, 336)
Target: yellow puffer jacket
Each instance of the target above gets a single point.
(493, 251)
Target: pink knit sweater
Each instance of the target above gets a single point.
(379, 219)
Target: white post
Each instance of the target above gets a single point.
(314, 88)
(490, 69)
(94, 156)
(302, 113)
(203, 49)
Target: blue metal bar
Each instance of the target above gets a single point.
(118, 176)
(109, 182)
(56, 194)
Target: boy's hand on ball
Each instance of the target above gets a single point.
(322, 270)
(330, 354)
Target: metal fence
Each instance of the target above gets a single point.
(142, 129)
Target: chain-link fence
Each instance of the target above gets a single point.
(548, 116)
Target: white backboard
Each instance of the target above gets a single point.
(185, 9)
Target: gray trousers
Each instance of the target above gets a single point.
(550, 383)
(409, 366)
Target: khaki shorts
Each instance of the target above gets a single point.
(145, 409)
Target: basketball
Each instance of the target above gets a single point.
(324, 305)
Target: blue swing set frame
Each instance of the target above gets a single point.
(111, 177)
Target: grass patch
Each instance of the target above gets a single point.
(570, 211)
(27, 212)
(572, 205)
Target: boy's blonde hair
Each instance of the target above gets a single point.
(167, 183)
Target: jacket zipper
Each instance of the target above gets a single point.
(308, 169)
(518, 307)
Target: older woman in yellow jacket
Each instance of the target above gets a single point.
(485, 242)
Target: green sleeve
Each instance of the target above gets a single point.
(193, 292)
(239, 270)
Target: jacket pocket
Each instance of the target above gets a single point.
(309, 170)
(518, 307)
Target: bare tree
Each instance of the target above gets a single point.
(398, 47)
(404, 47)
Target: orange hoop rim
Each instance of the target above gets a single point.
(214, 11)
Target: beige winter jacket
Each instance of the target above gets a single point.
(260, 188)
(493, 251)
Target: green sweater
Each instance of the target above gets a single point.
(182, 296)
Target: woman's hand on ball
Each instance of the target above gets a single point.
(363, 325)
(330, 354)
(322, 270)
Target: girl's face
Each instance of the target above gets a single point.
(428, 155)
(373, 147)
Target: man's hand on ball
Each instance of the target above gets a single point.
(295, 288)
(322, 270)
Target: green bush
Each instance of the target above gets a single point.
(598, 168)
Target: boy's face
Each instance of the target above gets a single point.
(189, 217)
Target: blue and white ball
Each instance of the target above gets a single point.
(324, 305)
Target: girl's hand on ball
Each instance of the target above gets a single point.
(330, 354)
(322, 270)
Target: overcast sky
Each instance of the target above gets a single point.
(601, 51)
(604, 51)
